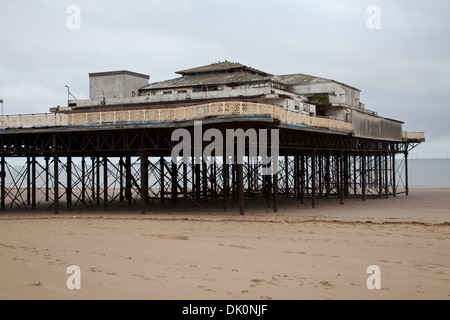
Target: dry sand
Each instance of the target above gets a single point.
(299, 253)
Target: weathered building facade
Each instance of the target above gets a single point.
(226, 81)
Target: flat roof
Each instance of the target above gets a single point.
(117, 73)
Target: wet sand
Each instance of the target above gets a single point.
(299, 253)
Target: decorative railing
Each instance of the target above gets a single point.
(170, 114)
(419, 136)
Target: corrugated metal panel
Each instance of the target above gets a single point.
(374, 127)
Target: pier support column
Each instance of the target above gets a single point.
(302, 179)
(363, 177)
(250, 174)
(128, 193)
(275, 192)
(47, 179)
(394, 178)
(307, 175)
(121, 173)
(185, 184)
(197, 181)
(380, 176)
(346, 176)
(105, 182)
(226, 173)
(56, 184)
(28, 181)
(286, 174)
(205, 180)
(162, 180)
(33, 183)
(174, 182)
(337, 175)
(355, 185)
(214, 180)
(296, 177)
(69, 183)
(93, 178)
(3, 180)
(240, 178)
(320, 176)
(313, 179)
(83, 179)
(144, 182)
(386, 175)
(98, 181)
(406, 170)
(233, 182)
(328, 176)
(268, 179)
(341, 178)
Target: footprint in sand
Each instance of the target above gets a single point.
(206, 289)
(326, 284)
(256, 282)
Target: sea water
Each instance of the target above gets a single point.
(429, 173)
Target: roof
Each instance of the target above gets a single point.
(209, 79)
(116, 73)
(300, 78)
(231, 72)
(220, 66)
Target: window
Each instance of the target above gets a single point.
(182, 91)
(167, 92)
(349, 117)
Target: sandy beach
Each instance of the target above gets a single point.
(299, 253)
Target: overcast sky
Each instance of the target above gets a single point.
(403, 69)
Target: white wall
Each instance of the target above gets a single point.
(119, 86)
(339, 94)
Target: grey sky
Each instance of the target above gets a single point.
(403, 69)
